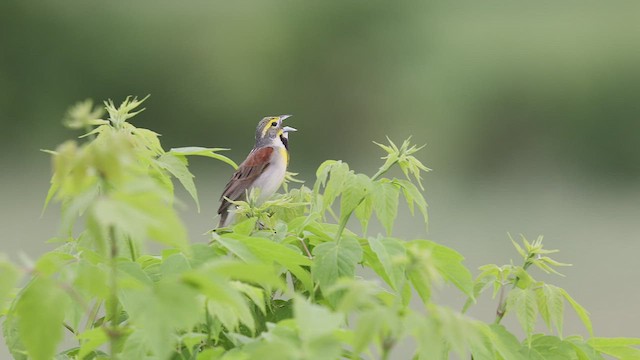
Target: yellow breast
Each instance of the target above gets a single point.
(285, 154)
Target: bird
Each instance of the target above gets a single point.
(264, 168)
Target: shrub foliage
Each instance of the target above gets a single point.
(283, 283)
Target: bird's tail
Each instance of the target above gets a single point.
(226, 218)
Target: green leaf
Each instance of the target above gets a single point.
(92, 279)
(582, 313)
(91, 340)
(428, 334)
(322, 174)
(41, 310)
(177, 166)
(384, 196)
(225, 301)
(356, 187)
(504, 342)
(391, 253)
(339, 172)
(267, 250)
(149, 139)
(447, 261)
(141, 213)
(317, 327)
(369, 327)
(315, 321)
(334, 260)
(201, 151)
(523, 302)
(550, 302)
(364, 211)
(254, 293)
(174, 265)
(413, 195)
(258, 272)
(621, 348)
(238, 248)
(459, 331)
(583, 350)
(157, 311)
(545, 347)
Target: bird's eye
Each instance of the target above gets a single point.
(274, 123)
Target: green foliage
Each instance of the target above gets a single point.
(284, 283)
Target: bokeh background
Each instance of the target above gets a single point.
(530, 113)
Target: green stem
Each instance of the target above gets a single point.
(114, 333)
(502, 302)
(345, 219)
(93, 313)
(387, 345)
(132, 249)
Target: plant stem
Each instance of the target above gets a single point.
(132, 249)
(306, 249)
(387, 345)
(68, 327)
(502, 302)
(93, 313)
(113, 332)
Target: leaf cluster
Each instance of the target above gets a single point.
(286, 282)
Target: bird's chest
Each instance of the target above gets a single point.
(273, 176)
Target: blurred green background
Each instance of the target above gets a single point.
(530, 112)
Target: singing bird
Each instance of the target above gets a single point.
(264, 167)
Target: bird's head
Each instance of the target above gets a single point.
(270, 131)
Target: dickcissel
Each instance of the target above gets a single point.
(264, 168)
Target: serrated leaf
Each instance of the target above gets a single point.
(267, 250)
(314, 320)
(384, 196)
(369, 327)
(448, 263)
(149, 139)
(337, 176)
(355, 188)
(157, 311)
(91, 340)
(201, 151)
(225, 302)
(545, 347)
(582, 313)
(333, 260)
(41, 311)
(254, 293)
(258, 272)
(174, 265)
(322, 174)
(504, 342)
(459, 332)
(140, 214)
(390, 252)
(480, 284)
(177, 166)
(551, 306)
(364, 211)
(413, 196)
(583, 350)
(523, 303)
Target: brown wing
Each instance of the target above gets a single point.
(247, 173)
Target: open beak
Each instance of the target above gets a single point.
(286, 129)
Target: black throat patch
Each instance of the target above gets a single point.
(285, 142)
